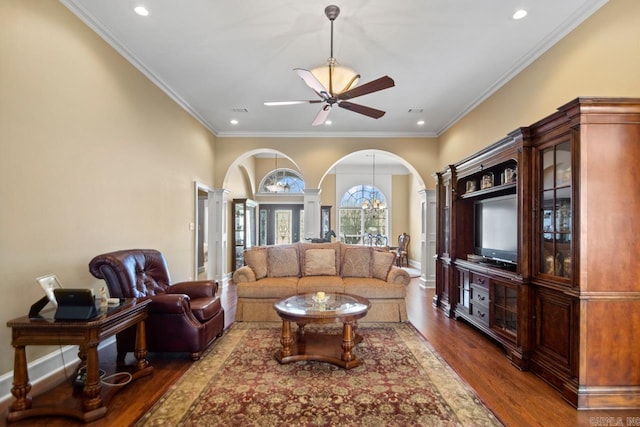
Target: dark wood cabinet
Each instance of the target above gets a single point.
(567, 308)
(586, 277)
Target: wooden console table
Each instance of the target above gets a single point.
(87, 335)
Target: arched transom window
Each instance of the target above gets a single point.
(282, 181)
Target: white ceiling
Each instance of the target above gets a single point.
(216, 57)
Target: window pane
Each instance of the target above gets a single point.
(283, 227)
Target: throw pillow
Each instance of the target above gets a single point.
(282, 261)
(304, 247)
(256, 259)
(382, 263)
(320, 262)
(356, 262)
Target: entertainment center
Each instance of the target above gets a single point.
(537, 248)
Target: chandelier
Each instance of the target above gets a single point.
(373, 204)
(277, 185)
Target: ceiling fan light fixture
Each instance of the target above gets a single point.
(344, 78)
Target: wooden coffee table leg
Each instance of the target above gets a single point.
(91, 399)
(347, 342)
(286, 340)
(21, 385)
(141, 347)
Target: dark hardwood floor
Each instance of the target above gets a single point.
(516, 398)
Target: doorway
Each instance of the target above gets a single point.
(280, 224)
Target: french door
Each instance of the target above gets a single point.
(281, 224)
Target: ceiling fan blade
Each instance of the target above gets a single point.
(312, 82)
(367, 111)
(322, 115)
(276, 103)
(373, 86)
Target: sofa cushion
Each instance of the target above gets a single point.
(327, 284)
(282, 261)
(373, 288)
(356, 262)
(319, 262)
(303, 247)
(382, 263)
(269, 287)
(256, 259)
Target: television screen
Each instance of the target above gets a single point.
(496, 228)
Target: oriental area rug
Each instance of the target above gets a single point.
(402, 381)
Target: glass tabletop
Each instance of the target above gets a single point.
(335, 304)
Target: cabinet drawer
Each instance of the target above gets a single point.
(479, 279)
(479, 295)
(481, 313)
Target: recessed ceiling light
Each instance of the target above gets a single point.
(141, 10)
(328, 122)
(234, 122)
(420, 122)
(520, 14)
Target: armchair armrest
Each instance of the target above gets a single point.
(169, 304)
(398, 275)
(244, 274)
(195, 289)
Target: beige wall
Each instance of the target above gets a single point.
(93, 158)
(400, 215)
(599, 58)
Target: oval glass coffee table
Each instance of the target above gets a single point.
(320, 308)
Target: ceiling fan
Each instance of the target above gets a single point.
(334, 84)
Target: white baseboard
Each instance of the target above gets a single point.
(46, 372)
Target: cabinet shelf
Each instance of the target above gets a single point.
(498, 189)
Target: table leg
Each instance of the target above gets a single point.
(91, 392)
(21, 386)
(347, 342)
(141, 347)
(286, 340)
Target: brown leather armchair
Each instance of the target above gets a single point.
(183, 317)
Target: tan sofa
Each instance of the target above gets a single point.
(274, 272)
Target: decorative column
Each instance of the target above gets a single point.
(218, 236)
(427, 238)
(311, 213)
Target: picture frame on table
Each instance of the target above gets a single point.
(48, 283)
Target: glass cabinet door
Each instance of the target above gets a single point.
(555, 211)
(504, 306)
(244, 229)
(446, 215)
